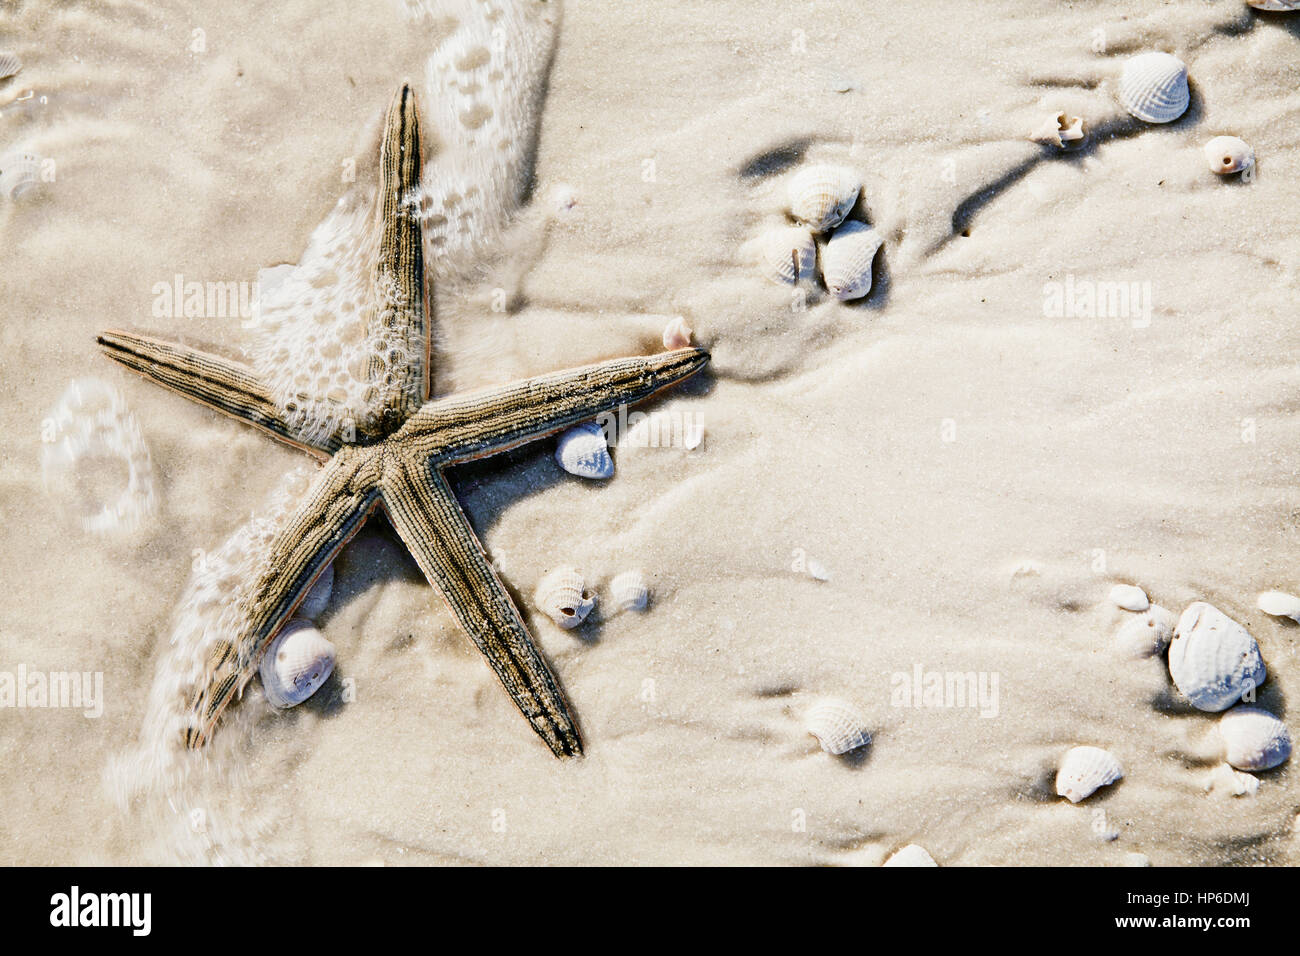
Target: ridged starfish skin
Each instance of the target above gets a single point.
(397, 460)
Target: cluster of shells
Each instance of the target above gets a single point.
(821, 238)
(563, 595)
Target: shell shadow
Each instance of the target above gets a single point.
(775, 160)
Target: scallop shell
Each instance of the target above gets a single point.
(1213, 659)
(19, 174)
(1084, 770)
(1228, 154)
(1130, 597)
(318, 598)
(677, 334)
(1147, 634)
(838, 726)
(1275, 6)
(1279, 604)
(583, 451)
(562, 596)
(1153, 87)
(788, 254)
(297, 663)
(629, 591)
(9, 65)
(821, 196)
(1256, 740)
(847, 258)
(911, 855)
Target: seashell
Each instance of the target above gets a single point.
(677, 334)
(1084, 770)
(9, 65)
(817, 571)
(1136, 859)
(19, 174)
(1228, 154)
(1059, 129)
(583, 451)
(318, 596)
(788, 254)
(1234, 783)
(1275, 6)
(562, 597)
(1213, 659)
(911, 855)
(298, 661)
(838, 727)
(1256, 740)
(1146, 635)
(1130, 597)
(847, 258)
(1279, 604)
(629, 591)
(1153, 87)
(821, 196)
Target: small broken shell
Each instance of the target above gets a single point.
(629, 591)
(838, 726)
(1059, 129)
(821, 196)
(677, 334)
(583, 451)
(1130, 597)
(562, 597)
(1228, 154)
(9, 65)
(911, 855)
(20, 173)
(1213, 660)
(1084, 770)
(1146, 634)
(787, 253)
(318, 597)
(847, 260)
(1255, 739)
(1279, 604)
(1153, 87)
(299, 660)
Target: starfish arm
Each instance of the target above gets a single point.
(331, 512)
(426, 515)
(461, 427)
(221, 383)
(398, 329)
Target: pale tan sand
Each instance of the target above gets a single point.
(825, 432)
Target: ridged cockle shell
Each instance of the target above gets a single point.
(838, 726)
(583, 451)
(787, 253)
(821, 196)
(562, 596)
(1084, 770)
(628, 591)
(1213, 659)
(847, 260)
(1153, 87)
(1255, 739)
(299, 660)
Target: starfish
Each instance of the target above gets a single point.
(397, 459)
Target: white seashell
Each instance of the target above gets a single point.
(677, 334)
(1146, 635)
(1279, 604)
(318, 596)
(847, 258)
(1153, 87)
(817, 571)
(788, 254)
(562, 596)
(911, 855)
(1083, 770)
(1275, 6)
(1130, 597)
(821, 196)
(1234, 783)
(9, 65)
(583, 451)
(1059, 129)
(297, 663)
(629, 591)
(1228, 154)
(20, 173)
(1256, 740)
(1213, 659)
(1136, 859)
(838, 727)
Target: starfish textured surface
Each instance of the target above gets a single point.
(395, 458)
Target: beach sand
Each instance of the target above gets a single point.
(921, 445)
